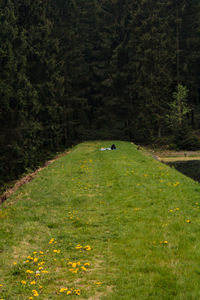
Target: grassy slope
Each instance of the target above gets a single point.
(124, 205)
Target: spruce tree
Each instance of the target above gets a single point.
(152, 61)
(43, 70)
(14, 88)
(190, 70)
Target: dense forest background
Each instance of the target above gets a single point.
(73, 70)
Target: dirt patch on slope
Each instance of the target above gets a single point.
(28, 178)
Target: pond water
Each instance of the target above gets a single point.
(189, 168)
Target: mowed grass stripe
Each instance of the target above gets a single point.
(106, 225)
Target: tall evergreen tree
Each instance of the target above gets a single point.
(190, 63)
(14, 89)
(43, 69)
(152, 60)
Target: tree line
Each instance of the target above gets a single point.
(73, 70)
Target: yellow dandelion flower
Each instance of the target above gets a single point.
(78, 292)
(98, 282)
(29, 271)
(83, 268)
(41, 252)
(35, 292)
(40, 268)
(87, 248)
(1, 285)
(87, 264)
(35, 252)
(76, 270)
(188, 221)
(69, 292)
(52, 241)
(165, 242)
(175, 184)
(79, 246)
(35, 259)
(30, 257)
(71, 270)
(56, 251)
(33, 282)
(63, 290)
(74, 265)
(23, 282)
(40, 286)
(44, 271)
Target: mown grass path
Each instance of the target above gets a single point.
(102, 225)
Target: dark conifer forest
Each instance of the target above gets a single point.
(74, 70)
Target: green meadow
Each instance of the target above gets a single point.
(102, 225)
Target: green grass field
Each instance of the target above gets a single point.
(102, 225)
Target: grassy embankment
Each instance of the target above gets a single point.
(102, 225)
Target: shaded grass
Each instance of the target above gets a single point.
(130, 209)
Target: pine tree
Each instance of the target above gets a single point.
(13, 93)
(190, 41)
(43, 70)
(112, 20)
(152, 61)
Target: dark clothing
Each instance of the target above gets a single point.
(113, 147)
